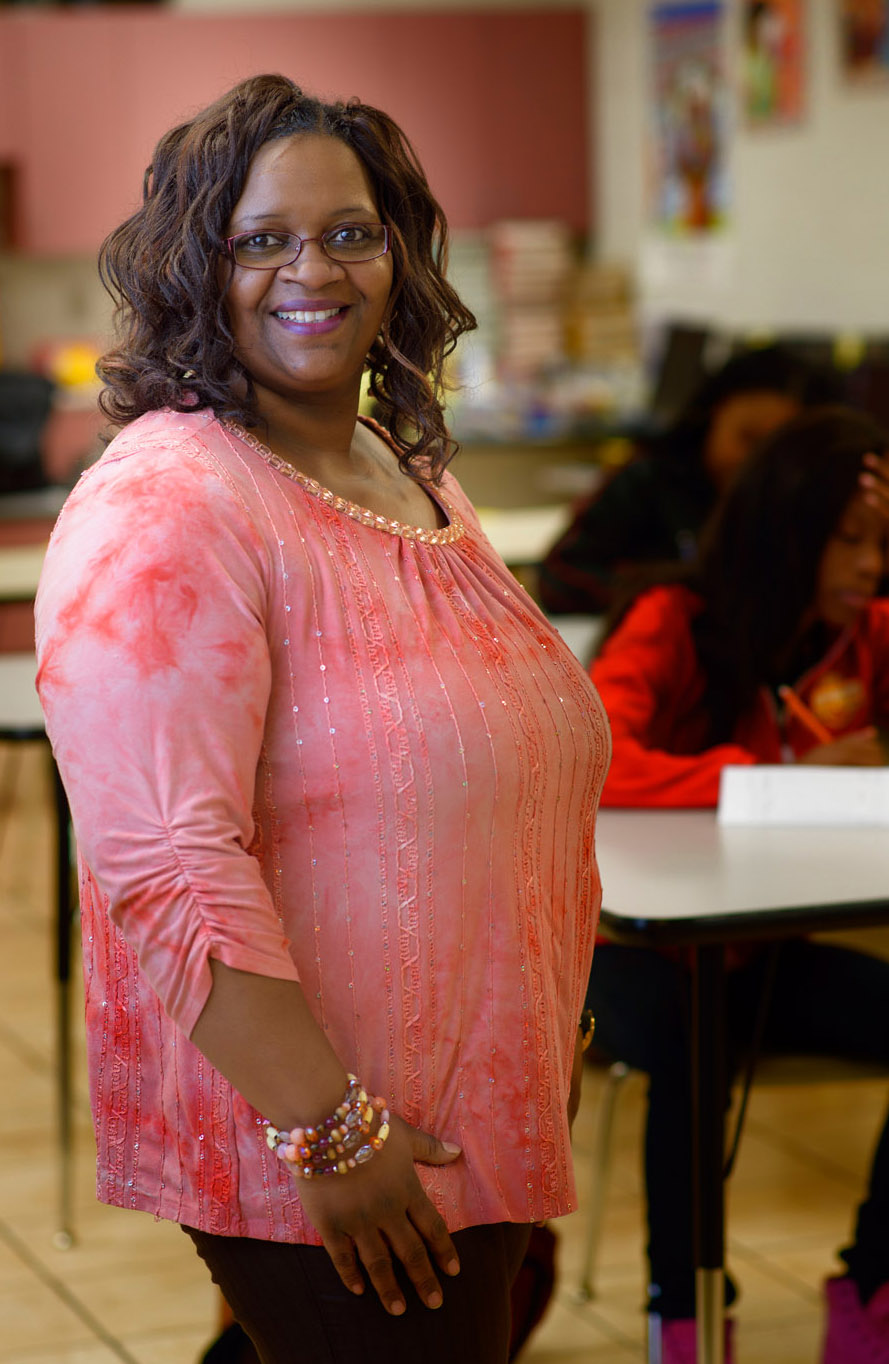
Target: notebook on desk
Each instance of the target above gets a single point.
(804, 795)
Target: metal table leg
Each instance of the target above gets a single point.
(708, 1098)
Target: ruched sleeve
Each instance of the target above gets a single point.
(154, 677)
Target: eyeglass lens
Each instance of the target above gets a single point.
(348, 242)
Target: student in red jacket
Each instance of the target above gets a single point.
(784, 595)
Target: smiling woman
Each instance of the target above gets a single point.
(337, 816)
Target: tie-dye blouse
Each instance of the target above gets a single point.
(318, 745)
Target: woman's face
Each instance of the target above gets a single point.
(853, 562)
(738, 426)
(306, 327)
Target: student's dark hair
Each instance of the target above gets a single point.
(762, 369)
(162, 267)
(761, 551)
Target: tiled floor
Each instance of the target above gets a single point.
(131, 1290)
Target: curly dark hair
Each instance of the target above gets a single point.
(758, 561)
(761, 551)
(161, 266)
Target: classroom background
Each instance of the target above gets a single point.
(636, 189)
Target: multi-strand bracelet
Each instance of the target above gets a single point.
(338, 1144)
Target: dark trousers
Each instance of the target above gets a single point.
(824, 1000)
(293, 1305)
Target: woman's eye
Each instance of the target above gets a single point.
(260, 242)
(349, 234)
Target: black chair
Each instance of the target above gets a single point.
(25, 405)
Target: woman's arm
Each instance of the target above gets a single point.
(260, 1034)
(648, 680)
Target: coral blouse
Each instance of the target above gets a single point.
(317, 745)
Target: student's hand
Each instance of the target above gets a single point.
(874, 482)
(380, 1211)
(861, 749)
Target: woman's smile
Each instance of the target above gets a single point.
(311, 319)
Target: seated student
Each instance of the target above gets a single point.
(652, 509)
(783, 595)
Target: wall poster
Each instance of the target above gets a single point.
(688, 181)
(772, 61)
(864, 39)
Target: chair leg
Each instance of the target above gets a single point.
(63, 1237)
(617, 1074)
(655, 1338)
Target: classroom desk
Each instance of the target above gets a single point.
(20, 567)
(678, 877)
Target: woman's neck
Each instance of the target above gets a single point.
(316, 435)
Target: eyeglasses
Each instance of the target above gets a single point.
(349, 243)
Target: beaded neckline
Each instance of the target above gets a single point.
(446, 535)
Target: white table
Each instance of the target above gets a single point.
(522, 535)
(20, 567)
(676, 876)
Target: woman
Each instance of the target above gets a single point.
(652, 509)
(693, 678)
(323, 755)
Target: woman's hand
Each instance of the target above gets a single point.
(874, 482)
(864, 748)
(380, 1211)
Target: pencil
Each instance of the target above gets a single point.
(805, 716)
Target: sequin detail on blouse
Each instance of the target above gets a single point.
(446, 535)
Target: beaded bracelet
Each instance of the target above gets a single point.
(337, 1145)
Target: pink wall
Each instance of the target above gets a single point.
(495, 102)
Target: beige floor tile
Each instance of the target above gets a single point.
(174, 1293)
(33, 1315)
(585, 1354)
(13, 1273)
(769, 1215)
(568, 1327)
(66, 1354)
(169, 1347)
(793, 1341)
(832, 1126)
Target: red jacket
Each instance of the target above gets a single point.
(651, 685)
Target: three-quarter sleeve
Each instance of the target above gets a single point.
(154, 675)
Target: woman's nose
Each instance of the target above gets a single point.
(312, 264)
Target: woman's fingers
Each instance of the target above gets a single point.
(875, 481)
(431, 1226)
(380, 1214)
(341, 1250)
(428, 1150)
(409, 1248)
(376, 1248)
(377, 1261)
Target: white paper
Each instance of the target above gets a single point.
(804, 795)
